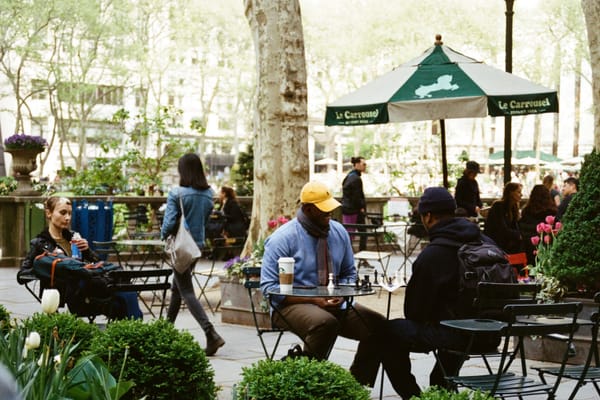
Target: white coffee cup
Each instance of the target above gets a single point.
(286, 274)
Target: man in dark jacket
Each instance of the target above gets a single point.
(431, 296)
(467, 190)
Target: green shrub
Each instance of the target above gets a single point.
(298, 379)
(8, 184)
(435, 393)
(574, 260)
(67, 325)
(163, 362)
(4, 319)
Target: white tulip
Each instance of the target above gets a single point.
(41, 360)
(33, 341)
(57, 359)
(50, 301)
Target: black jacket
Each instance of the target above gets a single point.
(432, 292)
(467, 195)
(505, 233)
(353, 196)
(44, 242)
(235, 220)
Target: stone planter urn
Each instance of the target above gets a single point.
(235, 304)
(24, 162)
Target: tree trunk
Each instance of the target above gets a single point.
(280, 116)
(591, 10)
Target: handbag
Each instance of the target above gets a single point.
(181, 248)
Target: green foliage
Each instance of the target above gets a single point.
(8, 184)
(298, 379)
(242, 173)
(101, 176)
(63, 326)
(51, 369)
(435, 393)
(574, 260)
(4, 319)
(164, 362)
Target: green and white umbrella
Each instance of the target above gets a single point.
(440, 84)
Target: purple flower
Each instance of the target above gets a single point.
(230, 262)
(26, 142)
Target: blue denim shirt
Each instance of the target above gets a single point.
(292, 240)
(197, 205)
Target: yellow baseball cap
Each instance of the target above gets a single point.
(318, 194)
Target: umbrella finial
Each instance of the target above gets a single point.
(438, 40)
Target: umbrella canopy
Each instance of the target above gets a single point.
(525, 157)
(441, 83)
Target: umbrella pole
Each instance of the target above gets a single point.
(444, 160)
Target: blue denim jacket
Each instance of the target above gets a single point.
(197, 205)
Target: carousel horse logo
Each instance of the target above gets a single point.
(444, 82)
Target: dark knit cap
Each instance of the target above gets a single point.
(436, 199)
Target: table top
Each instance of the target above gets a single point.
(475, 325)
(141, 242)
(323, 291)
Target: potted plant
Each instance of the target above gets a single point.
(24, 150)
(235, 302)
(574, 259)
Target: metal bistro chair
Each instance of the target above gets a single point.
(588, 372)
(221, 250)
(252, 283)
(363, 257)
(490, 302)
(525, 320)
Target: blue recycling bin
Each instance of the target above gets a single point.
(93, 220)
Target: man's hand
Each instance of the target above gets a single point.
(329, 302)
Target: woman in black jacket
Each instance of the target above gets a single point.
(235, 219)
(502, 223)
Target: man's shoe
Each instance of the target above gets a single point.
(213, 342)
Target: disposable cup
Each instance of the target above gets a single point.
(286, 274)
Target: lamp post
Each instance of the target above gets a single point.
(508, 68)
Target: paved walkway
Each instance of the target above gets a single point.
(243, 347)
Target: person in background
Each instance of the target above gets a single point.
(432, 295)
(235, 220)
(58, 237)
(570, 187)
(548, 182)
(354, 205)
(502, 223)
(319, 246)
(467, 190)
(539, 205)
(197, 198)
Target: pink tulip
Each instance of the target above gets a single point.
(540, 227)
(535, 252)
(550, 219)
(272, 224)
(558, 226)
(547, 228)
(282, 220)
(535, 240)
(547, 239)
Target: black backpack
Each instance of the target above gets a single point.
(478, 262)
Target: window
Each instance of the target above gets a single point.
(39, 89)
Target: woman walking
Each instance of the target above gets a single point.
(196, 196)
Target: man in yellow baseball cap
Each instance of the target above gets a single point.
(320, 246)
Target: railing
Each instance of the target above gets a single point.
(22, 218)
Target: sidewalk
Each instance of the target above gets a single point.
(242, 347)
